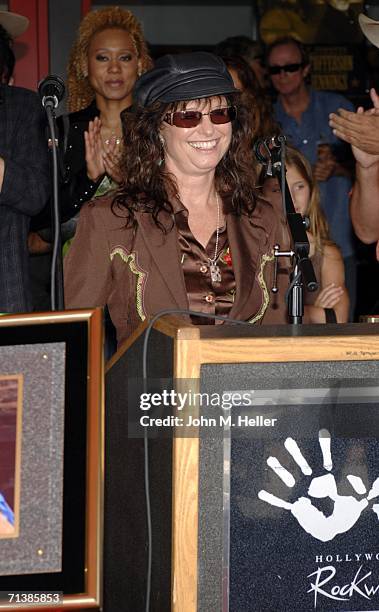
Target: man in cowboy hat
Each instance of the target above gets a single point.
(24, 173)
(11, 26)
(361, 130)
(13, 23)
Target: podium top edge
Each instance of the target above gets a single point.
(211, 332)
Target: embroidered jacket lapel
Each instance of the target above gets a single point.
(247, 242)
(165, 251)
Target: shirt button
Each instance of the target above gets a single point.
(209, 298)
(203, 269)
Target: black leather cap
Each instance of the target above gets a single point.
(186, 76)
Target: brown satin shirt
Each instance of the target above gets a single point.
(204, 295)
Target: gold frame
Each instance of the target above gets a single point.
(92, 597)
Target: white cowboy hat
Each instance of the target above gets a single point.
(370, 28)
(13, 23)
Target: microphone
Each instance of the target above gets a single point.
(264, 148)
(51, 91)
(276, 141)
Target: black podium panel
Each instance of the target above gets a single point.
(289, 511)
(125, 527)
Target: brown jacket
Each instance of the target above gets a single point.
(137, 272)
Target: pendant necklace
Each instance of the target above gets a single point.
(117, 139)
(213, 267)
(114, 137)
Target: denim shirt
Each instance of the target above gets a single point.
(305, 136)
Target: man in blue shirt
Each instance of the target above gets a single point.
(304, 117)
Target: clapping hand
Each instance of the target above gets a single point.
(359, 129)
(101, 157)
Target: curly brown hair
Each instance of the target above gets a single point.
(80, 92)
(254, 97)
(148, 187)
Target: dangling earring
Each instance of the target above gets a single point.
(84, 69)
(163, 143)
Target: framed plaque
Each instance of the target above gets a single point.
(51, 452)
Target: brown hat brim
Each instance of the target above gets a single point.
(370, 29)
(13, 23)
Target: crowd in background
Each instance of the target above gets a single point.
(107, 150)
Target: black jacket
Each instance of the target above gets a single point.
(75, 188)
(25, 190)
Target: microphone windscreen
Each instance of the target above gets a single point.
(51, 86)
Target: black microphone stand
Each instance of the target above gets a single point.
(303, 273)
(57, 294)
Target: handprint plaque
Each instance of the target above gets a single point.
(347, 508)
(305, 507)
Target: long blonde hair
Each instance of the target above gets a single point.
(80, 92)
(318, 223)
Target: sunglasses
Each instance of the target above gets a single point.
(286, 68)
(192, 118)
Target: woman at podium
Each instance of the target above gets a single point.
(185, 230)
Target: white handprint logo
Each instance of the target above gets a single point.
(347, 509)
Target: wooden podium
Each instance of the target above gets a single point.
(198, 499)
